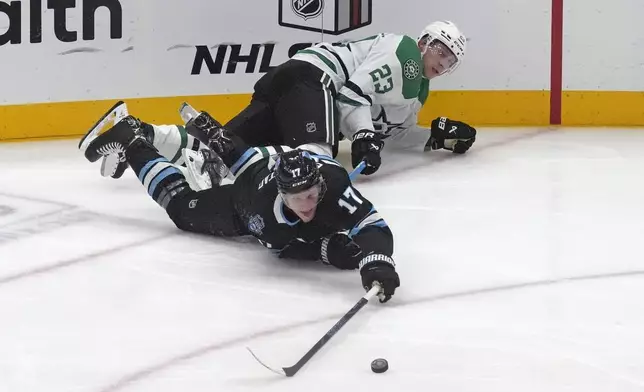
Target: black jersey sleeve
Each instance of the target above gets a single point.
(350, 211)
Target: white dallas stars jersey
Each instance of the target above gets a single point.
(378, 80)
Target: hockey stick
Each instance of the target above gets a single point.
(357, 170)
(290, 371)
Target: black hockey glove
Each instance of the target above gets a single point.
(340, 251)
(302, 250)
(379, 268)
(366, 147)
(451, 135)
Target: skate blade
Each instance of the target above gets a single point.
(111, 118)
(187, 112)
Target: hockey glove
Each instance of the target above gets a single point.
(340, 251)
(451, 135)
(301, 250)
(379, 268)
(366, 147)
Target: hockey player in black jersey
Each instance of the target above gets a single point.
(297, 204)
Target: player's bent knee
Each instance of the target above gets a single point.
(178, 211)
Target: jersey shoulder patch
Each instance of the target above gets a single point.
(408, 56)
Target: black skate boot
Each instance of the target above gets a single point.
(115, 140)
(114, 165)
(227, 147)
(211, 133)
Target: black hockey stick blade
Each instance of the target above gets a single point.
(292, 370)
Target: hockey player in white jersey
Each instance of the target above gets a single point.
(367, 91)
(382, 83)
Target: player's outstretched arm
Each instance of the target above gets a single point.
(366, 242)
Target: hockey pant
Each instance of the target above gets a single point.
(292, 105)
(209, 211)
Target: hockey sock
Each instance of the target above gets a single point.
(161, 179)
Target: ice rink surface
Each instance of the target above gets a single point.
(521, 268)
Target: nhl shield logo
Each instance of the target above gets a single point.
(307, 9)
(325, 16)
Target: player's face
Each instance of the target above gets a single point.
(304, 204)
(437, 59)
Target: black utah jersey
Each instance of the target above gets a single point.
(341, 209)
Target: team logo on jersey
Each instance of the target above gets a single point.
(256, 224)
(330, 17)
(307, 9)
(411, 69)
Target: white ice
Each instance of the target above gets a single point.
(521, 267)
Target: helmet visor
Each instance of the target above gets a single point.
(442, 58)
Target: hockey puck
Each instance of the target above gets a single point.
(379, 365)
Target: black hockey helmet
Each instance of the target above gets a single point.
(296, 171)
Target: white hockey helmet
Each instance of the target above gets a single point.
(450, 35)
